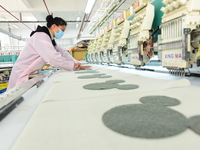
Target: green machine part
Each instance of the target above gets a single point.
(8, 58)
(131, 17)
(158, 17)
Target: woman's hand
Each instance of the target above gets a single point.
(84, 67)
(77, 66)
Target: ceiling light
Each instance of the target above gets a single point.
(3, 18)
(89, 6)
(76, 25)
(15, 26)
(78, 19)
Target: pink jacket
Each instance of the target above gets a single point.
(37, 53)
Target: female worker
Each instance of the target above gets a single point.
(42, 49)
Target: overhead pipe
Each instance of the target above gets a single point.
(11, 35)
(20, 16)
(46, 7)
(79, 34)
(15, 17)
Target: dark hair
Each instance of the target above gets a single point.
(58, 21)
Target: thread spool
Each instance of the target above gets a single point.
(118, 19)
(105, 29)
(136, 4)
(114, 23)
(128, 14)
(124, 14)
(131, 10)
(121, 16)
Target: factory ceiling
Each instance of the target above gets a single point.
(20, 17)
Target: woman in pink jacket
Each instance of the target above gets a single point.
(42, 49)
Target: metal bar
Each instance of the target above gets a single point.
(46, 7)
(176, 29)
(6, 110)
(10, 99)
(79, 34)
(180, 28)
(173, 30)
(20, 14)
(11, 35)
(15, 93)
(163, 32)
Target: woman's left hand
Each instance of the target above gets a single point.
(84, 67)
(77, 66)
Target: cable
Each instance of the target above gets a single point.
(149, 42)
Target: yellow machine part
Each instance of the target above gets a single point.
(46, 66)
(198, 53)
(3, 86)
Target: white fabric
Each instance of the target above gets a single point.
(69, 117)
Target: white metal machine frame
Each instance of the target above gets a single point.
(104, 47)
(118, 42)
(141, 24)
(179, 19)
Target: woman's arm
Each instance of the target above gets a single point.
(66, 54)
(43, 46)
